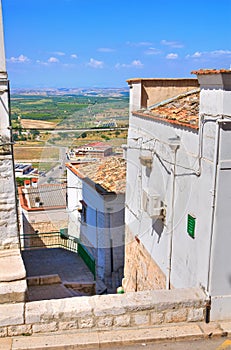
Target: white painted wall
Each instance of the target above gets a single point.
(74, 195)
(104, 229)
(135, 96)
(187, 269)
(205, 260)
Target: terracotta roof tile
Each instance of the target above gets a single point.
(109, 173)
(210, 71)
(182, 110)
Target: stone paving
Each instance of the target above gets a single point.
(88, 339)
(68, 265)
(54, 261)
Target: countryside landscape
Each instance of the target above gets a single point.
(45, 120)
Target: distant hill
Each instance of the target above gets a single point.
(99, 92)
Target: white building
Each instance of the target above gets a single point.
(24, 170)
(96, 194)
(42, 208)
(178, 187)
(12, 271)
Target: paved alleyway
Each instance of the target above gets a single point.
(57, 261)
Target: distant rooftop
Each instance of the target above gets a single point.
(49, 196)
(182, 110)
(97, 145)
(210, 71)
(110, 174)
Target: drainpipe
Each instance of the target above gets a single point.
(214, 190)
(174, 145)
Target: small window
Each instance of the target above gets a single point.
(83, 211)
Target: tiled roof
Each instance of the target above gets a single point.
(110, 174)
(50, 195)
(96, 145)
(210, 71)
(182, 110)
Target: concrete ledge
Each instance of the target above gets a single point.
(126, 310)
(107, 312)
(11, 314)
(87, 288)
(12, 267)
(13, 292)
(118, 337)
(43, 280)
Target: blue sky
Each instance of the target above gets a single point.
(101, 43)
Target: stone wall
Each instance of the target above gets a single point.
(140, 270)
(147, 92)
(43, 227)
(157, 90)
(8, 221)
(140, 309)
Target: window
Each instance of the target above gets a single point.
(83, 211)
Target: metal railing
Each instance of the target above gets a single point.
(60, 239)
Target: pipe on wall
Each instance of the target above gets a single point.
(169, 268)
(214, 193)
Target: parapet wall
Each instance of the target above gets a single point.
(100, 312)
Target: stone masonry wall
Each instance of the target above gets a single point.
(157, 90)
(140, 309)
(43, 227)
(8, 221)
(140, 270)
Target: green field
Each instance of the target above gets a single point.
(64, 112)
(69, 111)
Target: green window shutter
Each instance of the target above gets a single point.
(191, 225)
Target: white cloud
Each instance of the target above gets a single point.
(59, 53)
(210, 54)
(134, 63)
(74, 56)
(106, 49)
(152, 51)
(220, 53)
(174, 44)
(172, 56)
(19, 59)
(53, 60)
(141, 43)
(95, 64)
(197, 54)
(42, 63)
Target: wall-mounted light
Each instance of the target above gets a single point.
(174, 142)
(146, 160)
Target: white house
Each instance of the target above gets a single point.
(178, 195)
(42, 209)
(96, 194)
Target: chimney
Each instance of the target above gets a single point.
(27, 183)
(34, 183)
(215, 95)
